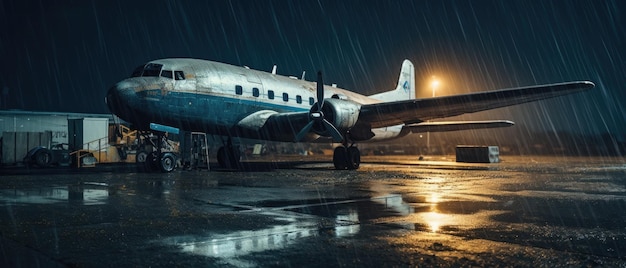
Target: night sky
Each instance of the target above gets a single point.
(62, 56)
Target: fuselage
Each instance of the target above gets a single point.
(213, 97)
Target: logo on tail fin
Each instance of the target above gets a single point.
(405, 86)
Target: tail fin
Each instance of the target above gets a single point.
(405, 90)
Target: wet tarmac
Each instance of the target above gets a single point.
(394, 211)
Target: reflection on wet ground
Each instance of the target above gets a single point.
(85, 193)
(522, 212)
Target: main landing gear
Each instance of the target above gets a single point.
(229, 156)
(347, 158)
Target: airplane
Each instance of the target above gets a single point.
(239, 102)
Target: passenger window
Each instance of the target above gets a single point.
(311, 101)
(166, 73)
(285, 97)
(238, 90)
(270, 94)
(255, 92)
(179, 75)
(298, 99)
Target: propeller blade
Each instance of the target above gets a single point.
(320, 91)
(317, 116)
(337, 137)
(304, 131)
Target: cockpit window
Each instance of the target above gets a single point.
(166, 73)
(179, 75)
(152, 69)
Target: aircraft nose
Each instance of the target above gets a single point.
(111, 98)
(118, 96)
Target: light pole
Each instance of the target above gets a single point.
(433, 84)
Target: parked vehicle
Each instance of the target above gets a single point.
(41, 156)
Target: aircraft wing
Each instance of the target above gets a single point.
(274, 126)
(456, 125)
(419, 110)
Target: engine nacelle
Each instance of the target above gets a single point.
(343, 114)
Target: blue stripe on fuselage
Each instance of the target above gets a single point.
(255, 103)
(205, 112)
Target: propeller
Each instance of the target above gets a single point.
(317, 116)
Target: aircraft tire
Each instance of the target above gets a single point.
(228, 157)
(140, 161)
(168, 162)
(235, 158)
(340, 158)
(353, 158)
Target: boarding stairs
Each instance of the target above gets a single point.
(105, 150)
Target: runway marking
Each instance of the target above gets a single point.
(290, 207)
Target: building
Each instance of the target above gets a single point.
(24, 130)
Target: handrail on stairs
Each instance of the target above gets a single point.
(82, 149)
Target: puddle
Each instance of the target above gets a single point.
(85, 194)
(240, 243)
(230, 247)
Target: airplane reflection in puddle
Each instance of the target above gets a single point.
(426, 213)
(241, 243)
(429, 217)
(421, 216)
(86, 194)
(229, 246)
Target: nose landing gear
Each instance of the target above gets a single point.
(155, 154)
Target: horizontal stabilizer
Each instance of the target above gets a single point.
(457, 125)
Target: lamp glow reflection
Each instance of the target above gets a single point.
(434, 219)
